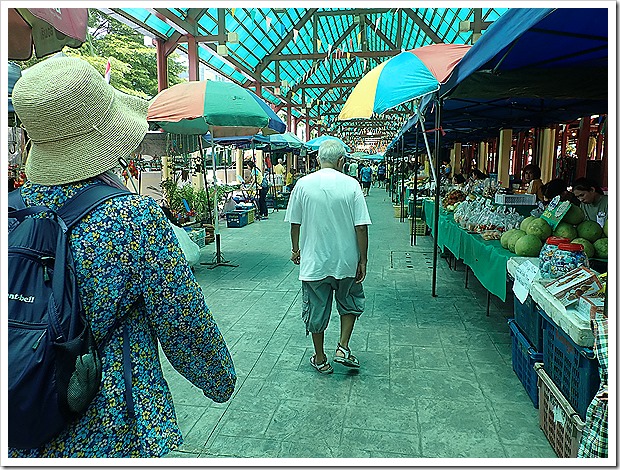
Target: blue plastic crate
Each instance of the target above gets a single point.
(236, 218)
(524, 356)
(529, 321)
(573, 368)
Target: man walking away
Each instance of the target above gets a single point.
(329, 235)
(366, 177)
(381, 170)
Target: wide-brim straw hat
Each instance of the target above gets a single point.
(78, 124)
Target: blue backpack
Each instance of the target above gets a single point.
(54, 368)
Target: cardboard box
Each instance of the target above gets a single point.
(588, 305)
(570, 287)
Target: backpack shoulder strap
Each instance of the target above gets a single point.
(86, 200)
(16, 201)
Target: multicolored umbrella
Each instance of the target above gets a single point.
(222, 108)
(314, 144)
(405, 77)
(49, 29)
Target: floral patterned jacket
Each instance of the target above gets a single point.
(122, 250)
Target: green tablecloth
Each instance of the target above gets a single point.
(486, 259)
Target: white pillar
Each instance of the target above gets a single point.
(503, 164)
(239, 162)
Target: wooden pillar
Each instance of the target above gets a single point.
(456, 164)
(503, 163)
(288, 118)
(545, 160)
(192, 56)
(482, 156)
(162, 64)
(582, 147)
(308, 126)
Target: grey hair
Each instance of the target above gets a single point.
(330, 151)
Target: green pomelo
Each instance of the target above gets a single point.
(506, 237)
(600, 246)
(528, 245)
(540, 228)
(526, 222)
(514, 238)
(589, 230)
(605, 228)
(565, 230)
(588, 247)
(574, 216)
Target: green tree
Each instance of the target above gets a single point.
(133, 65)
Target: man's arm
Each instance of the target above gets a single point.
(295, 255)
(361, 233)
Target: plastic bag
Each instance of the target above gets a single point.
(190, 249)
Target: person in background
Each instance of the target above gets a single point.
(353, 170)
(329, 236)
(459, 181)
(130, 270)
(593, 201)
(279, 171)
(381, 173)
(366, 178)
(558, 187)
(256, 181)
(447, 170)
(531, 175)
(289, 179)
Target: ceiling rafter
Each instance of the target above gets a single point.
(262, 65)
(422, 25)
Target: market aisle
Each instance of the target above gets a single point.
(436, 377)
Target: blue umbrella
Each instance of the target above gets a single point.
(314, 144)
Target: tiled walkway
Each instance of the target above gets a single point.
(436, 377)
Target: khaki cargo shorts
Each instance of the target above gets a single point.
(318, 296)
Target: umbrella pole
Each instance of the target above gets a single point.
(219, 259)
(402, 181)
(415, 188)
(437, 188)
(255, 180)
(204, 177)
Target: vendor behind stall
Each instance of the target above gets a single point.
(531, 174)
(593, 200)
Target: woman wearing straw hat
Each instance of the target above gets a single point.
(124, 251)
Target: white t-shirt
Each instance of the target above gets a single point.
(328, 205)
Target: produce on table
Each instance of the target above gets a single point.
(528, 245)
(600, 247)
(574, 216)
(589, 230)
(565, 230)
(540, 228)
(605, 228)
(491, 235)
(514, 238)
(452, 198)
(588, 247)
(526, 222)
